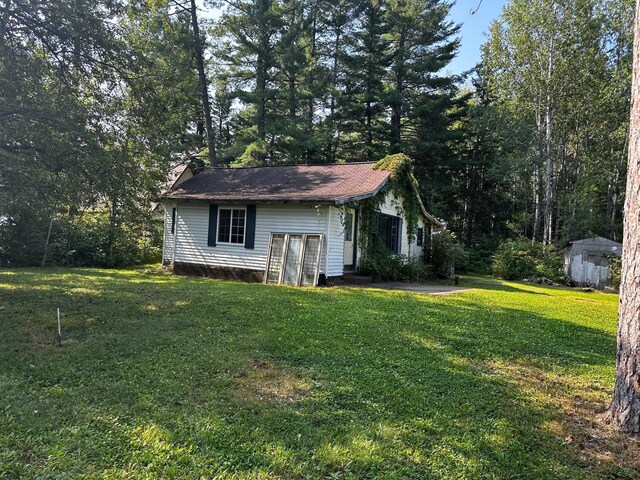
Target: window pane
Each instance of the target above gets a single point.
(224, 225)
(388, 233)
(348, 227)
(292, 262)
(237, 226)
(275, 261)
(310, 261)
(393, 240)
(231, 225)
(382, 236)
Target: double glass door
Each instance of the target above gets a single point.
(294, 259)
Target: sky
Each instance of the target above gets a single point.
(474, 29)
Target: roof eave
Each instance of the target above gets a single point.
(362, 196)
(251, 200)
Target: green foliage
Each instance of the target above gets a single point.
(327, 81)
(174, 377)
(555, 77)
(478, 258)
(254, 155)
(382, 265)
(615, 267)
(403, 185)
(518, 259)
(447, 254)
(112, 96)
(513, 260)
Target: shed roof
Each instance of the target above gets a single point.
(596, 241)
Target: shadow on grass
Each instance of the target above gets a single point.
(400, 385)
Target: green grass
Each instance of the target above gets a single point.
(171, 377)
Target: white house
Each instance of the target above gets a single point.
(296, 224)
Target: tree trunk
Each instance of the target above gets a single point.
(202, 83)
(261, 82)
(293, 100)
(335, 133)
(369, 113)
(396, 107)
(625, 407)
(46, 243)
(537, 178)
(262, 68)
(311, 80)
(548, 138)
(113, 215)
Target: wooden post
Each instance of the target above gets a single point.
(59, 329)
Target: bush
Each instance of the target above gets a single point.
(615, 266)
(382, 265)
(478, 259)
(447, 254)
(518, 259)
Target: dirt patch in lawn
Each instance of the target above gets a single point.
(265, 381)
(580, 422)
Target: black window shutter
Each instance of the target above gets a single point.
(250, 233)
(173, 220)
(213, 223)
(399, 242)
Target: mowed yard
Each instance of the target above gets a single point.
(162, 376)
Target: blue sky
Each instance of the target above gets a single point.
(474, 28)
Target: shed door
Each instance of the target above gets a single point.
(595, 270)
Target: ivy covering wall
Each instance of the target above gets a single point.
(403, 185)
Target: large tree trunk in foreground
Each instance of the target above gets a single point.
(203, 84)
(625, 407)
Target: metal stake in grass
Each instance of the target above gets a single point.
(59, 329)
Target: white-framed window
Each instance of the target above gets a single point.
(231, 225)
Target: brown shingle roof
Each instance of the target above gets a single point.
(329, 184)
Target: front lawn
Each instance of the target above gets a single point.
(171, 377)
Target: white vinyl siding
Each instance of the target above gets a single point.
(334, 243)
(193, 227)
(167, 244)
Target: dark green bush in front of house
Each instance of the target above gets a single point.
(443, 255)
(518, 259)
(447, 254)
(382, 265)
